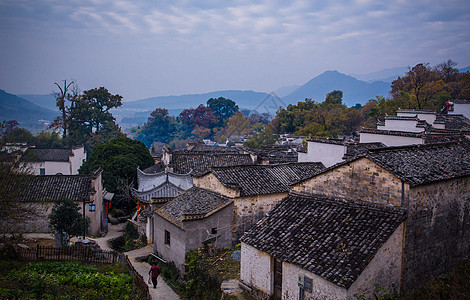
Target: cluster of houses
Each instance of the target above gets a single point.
(330, 220)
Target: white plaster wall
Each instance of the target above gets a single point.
(461, 109)
(390, 140)
(328, 154)
(54, 167)
(321, 288)
(96, 217)
(402, 125)
(76, 161)
(430, 118)
(255, 269)
(384, 269)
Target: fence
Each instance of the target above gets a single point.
(87, 254)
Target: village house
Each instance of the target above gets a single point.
(411, 127)
(312, 247)
(153, 191)
(195, 218)
(51, 161)
(331, 151)
(85, 190)
(430, 182)
(254, 189)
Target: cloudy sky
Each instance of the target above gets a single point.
(148, 48)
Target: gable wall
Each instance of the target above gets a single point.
(384, 269)
(78, 158)
(328, 154)
(196, 230)
(248, 210)
(437, 230)
(210, 182)
(360, 180)
(389, 140)
(402, 125)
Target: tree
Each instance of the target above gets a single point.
(264, 138)
(61, 96)
(66, 217)
(159, 128)
(14, 179)
(222, 107)
(119, 159)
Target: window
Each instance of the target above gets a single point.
(167, 238)
(214, 231)
(42, 171)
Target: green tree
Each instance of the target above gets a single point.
(160, 127)
(119, 159)
(66, 217)
(222, 107)
(264, 138)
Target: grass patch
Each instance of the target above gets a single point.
(65, 280)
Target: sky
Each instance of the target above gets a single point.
(147, 48)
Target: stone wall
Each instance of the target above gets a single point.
(196, 230)
(256, 271)
(210, 182)
(249, 210)
(437, 230)
(359, 180)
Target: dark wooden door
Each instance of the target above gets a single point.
(277, 279)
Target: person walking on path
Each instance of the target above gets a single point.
(154, 272)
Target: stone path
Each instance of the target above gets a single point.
(163, 291)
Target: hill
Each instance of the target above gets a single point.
(354, 91)
(248, 99)
(47, 101)
(25, 112)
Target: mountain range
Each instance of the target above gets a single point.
(356, 89)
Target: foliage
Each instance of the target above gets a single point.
(264, 138)
(159, 127)
(87, 119)
(15, 178)
(66, 217)
(66, 280)
(119, 159)
(130, 240)
(223, 108)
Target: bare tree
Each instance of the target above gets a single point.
(66, 91)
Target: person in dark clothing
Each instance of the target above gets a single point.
(154, 272)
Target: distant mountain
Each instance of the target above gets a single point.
(284, 91)
(467, 69)
(354, 91)
(13, 107)
(247, 99)
(387, 75)
(46, 101)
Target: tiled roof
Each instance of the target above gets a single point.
(192, 204)
(456, 122)
(156, 168)
(201, 163)
(50, 188)
(203, 148)
(275, 154)
(357, 149)
(392, 132)
(332, 238)
(325, 140)
(35, 154)
(416, 111)
(421, 164)
(265, 179)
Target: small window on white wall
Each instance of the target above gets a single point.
(42, 171)
(167, 238)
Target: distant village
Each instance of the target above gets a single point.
(317, 218)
